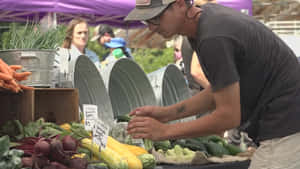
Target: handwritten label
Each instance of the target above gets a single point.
(100, 133)
(90, 114)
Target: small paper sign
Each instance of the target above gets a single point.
(90, 114)
(100, 133)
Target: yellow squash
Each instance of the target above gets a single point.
(136, 150)
(132, 160)
(109, 156)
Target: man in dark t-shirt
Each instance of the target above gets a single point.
(253, 75)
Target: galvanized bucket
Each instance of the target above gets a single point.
(127, 85)
(39, 62)
(169, 86)
(91, 88)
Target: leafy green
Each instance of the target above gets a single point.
(14, 129)
(32, 36)
(148, 144)
(4, 145)
(9, 159)
(153, 59)
(32, 128)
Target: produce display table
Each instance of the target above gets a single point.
(230, 165)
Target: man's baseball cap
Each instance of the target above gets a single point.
(147, 9)
(101, 30)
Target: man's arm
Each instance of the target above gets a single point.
(197, 72)
(227, 115)
(200, 103)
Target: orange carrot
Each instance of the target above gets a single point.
(4, 76)
(4, 67)
(10, 87)
(26, 87)
(21, 76)
(15, 67)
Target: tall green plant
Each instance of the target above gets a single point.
(31, 36)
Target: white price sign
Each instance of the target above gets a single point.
(90, 114)
(100, 133)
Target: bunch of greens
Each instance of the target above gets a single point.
(9, 159)
(32, 36)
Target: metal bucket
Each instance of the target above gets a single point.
(127, 85)
(39, 62)
(169, 86)
(91, 88)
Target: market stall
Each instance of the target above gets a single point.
(46, 129)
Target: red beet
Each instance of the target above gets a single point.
(42, 147)
(56, 165)
(27, 162)
(78, 163)
(69, 143)
(57, 153)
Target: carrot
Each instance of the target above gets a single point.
(22, 76)
(1, 83)
(4, 67)
(4, 76)
(26, 87)
(15, 67)
(10, 87)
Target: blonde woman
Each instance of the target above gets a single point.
(74, 45)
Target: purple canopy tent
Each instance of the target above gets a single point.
(244, 6)
(94, 11)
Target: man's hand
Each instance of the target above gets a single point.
(155, 112)
(147, 127)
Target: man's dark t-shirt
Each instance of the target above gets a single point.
(233, 47)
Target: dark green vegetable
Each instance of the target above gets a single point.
(216, 149)
(233, 150)
(123, 118)
(78, 132)
(164, 145)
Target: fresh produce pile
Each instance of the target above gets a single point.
(45, 145)
(184, 150)
(9, 78)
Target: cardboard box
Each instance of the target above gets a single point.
(56, 105)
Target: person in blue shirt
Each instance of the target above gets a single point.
(117, 50)
(103, 35)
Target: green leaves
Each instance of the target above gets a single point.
(153, 59)
(4, 145)
(32, 36)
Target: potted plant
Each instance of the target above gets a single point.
(33, 48)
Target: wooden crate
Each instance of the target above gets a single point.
(56, 105)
